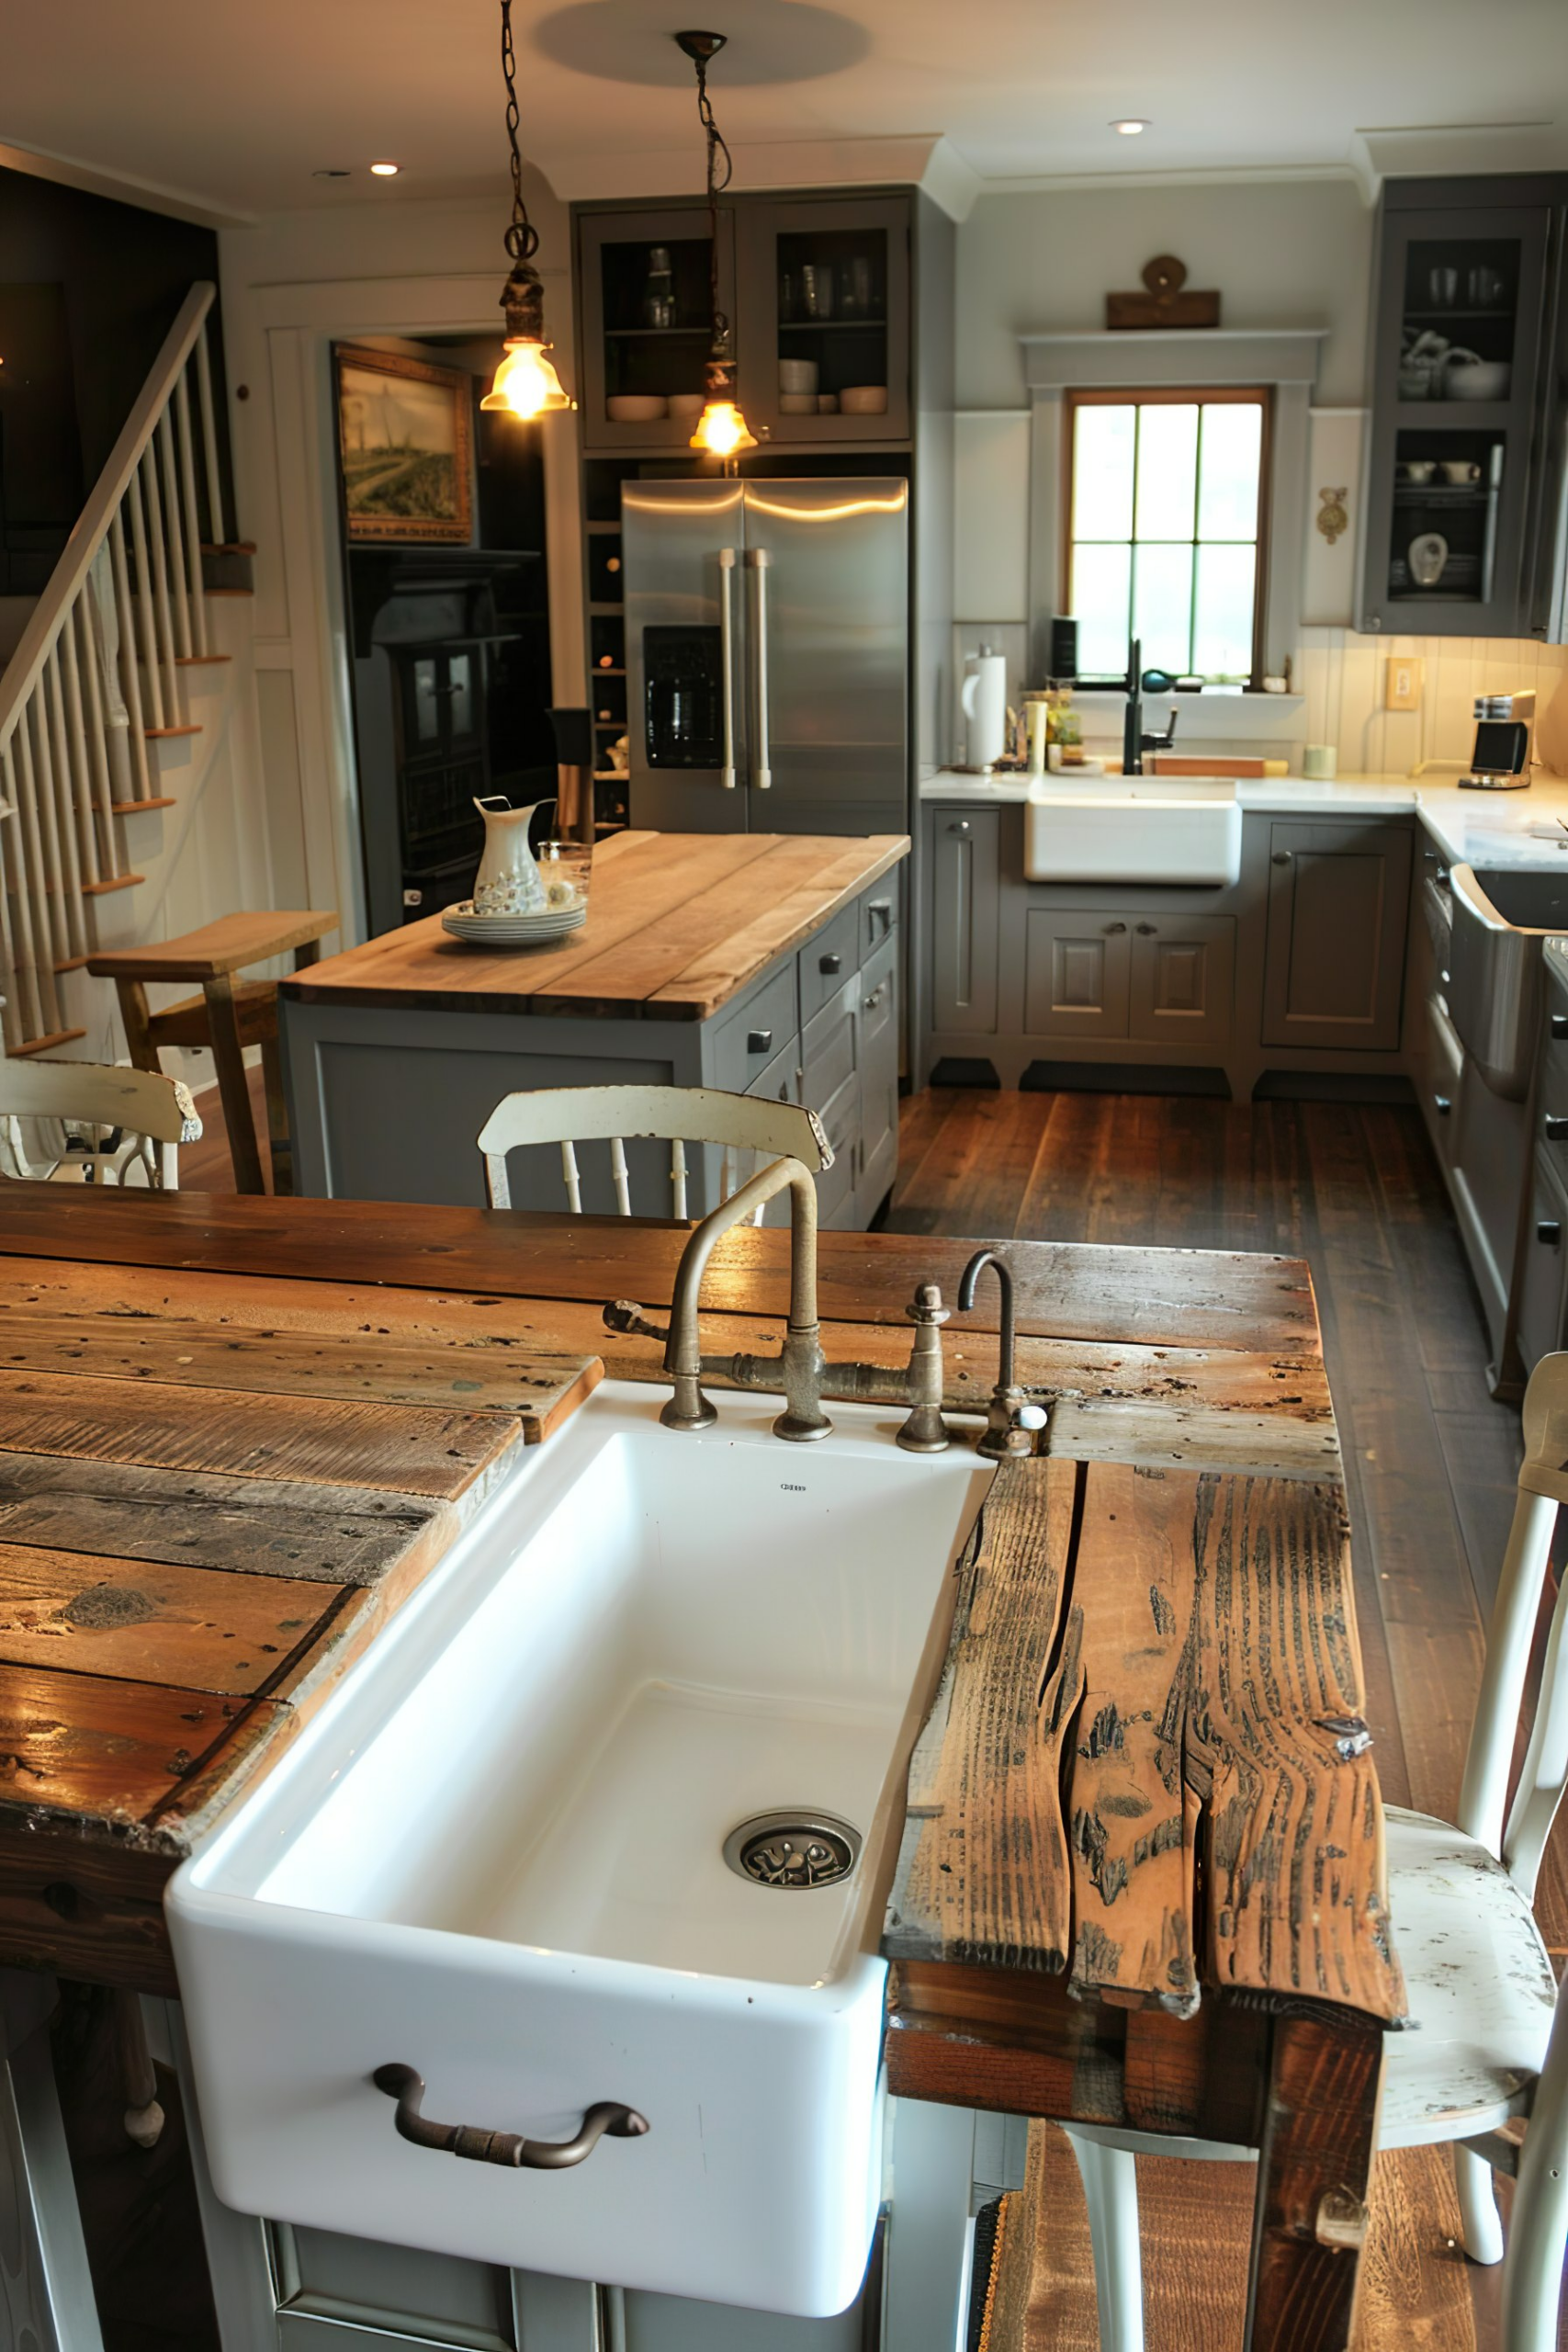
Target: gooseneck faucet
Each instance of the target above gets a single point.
(1134, 742)
(800, 1369)
(1011, 1420)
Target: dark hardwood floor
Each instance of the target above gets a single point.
(1431, 1463)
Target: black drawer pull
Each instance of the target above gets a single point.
(502, 2147)
(1556, 1125)
(1560, 1024)
(1148, 930)
(882, 910)
(1442, 1104)
(1549, 1230)
(1281, 857)
(760, 1040)
(829, 964)
(1111, 929)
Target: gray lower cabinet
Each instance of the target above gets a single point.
(1541, 1322)
(1077, 974)
(1162, 980)
(386, 1104)
(964, 929)
(1339, 903)
(1183, 979)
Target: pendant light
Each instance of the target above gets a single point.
(721, 429)
(526, 383)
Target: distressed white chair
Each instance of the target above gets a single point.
(91, 1122)
(1483, 1995)
(746, 1126)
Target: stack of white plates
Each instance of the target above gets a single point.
(542, 928)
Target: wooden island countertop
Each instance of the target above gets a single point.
(678, 924)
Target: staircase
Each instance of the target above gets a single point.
(100, 677)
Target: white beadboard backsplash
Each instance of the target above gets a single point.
(1340, 677)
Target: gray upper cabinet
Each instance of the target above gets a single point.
(825, 284)
(1338, 895)
(646, 317)
(1466, 423)
(966, 886)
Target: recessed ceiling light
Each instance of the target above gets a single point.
(1131, 127)
(385, 171)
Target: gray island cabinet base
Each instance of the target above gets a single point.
(786, 985)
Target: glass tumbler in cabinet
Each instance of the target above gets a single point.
(825, 319)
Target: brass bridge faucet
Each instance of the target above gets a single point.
(800, 1369)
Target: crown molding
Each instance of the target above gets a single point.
(1161, 355)
(124, 187)
(927, 160)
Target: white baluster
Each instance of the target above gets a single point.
(113, 862)
(43, 862)
(188, 506)
(573, 1182)
(158, 548)
(31, 1021)
(65, 872)
(130, 678)
(678, 1176)
(81, 771)
(619, 1172)
(209, 438)
(179, 587)
(145, 602)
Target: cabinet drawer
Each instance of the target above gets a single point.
(829, 960)
(878, 1079)
(1445, 1062)
(878, 914)
(828, 1043)
(1182, 973)
(1546, 1249)
(744, 1043)
(836, 1185)
(879, 999)
(781, 1081)
(1077, 974)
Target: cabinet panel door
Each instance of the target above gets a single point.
(1182, 974)
(966, 912)
(830, 1086)
(622, 351)
(825, 282)
(1541, 1300)
(1078, 974)
(878, 1017)
(1338, 899)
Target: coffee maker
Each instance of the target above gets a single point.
(1505, 743)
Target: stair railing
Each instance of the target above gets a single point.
(95, 676)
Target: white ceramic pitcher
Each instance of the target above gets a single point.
(508, 881)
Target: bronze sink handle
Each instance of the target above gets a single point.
(508, 2148)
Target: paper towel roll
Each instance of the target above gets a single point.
(985, 705)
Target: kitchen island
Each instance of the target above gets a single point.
(213, 1404)
(763, 964)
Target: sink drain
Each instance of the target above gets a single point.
(793, 1850)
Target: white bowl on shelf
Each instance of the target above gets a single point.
(687, 404)
(637, 408)
(797, 403)
(798, 375)
(1477, 380)
(863, 399)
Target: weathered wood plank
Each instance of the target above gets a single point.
(982, 1873)
(781, 903)
(310, 1440)
(540, 1386)
(201, 1628)
(1314, 2179)
(1176, 1298)
(332, 1536)
(1294, 1840)
(86, 1906)
(75, 1744)
(995, 2037)
(1131, 1821)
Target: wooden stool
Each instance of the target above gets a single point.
(227, 1016)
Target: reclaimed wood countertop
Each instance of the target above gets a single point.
(678, 924)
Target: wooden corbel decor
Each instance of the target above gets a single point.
(1165, 304)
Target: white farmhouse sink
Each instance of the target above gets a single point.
(497, 1858)
(1133, 829)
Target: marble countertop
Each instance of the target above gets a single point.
(1529, 828)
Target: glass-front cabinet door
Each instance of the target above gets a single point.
(1458, 334)
(646, 322)
(825, 319)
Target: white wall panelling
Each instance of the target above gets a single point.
(1336, 442)
(991, 515)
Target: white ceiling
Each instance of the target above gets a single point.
(230, 106)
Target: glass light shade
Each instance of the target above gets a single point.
(721, 429)
(526, 383)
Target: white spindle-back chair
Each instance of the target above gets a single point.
(746, 1126)
(1484, 2045)
(90, 1122)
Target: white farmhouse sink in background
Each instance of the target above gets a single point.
(1179, 830)
(497, 1857)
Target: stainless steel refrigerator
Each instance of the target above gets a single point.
(767, 655)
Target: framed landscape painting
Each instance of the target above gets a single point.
(404, 435)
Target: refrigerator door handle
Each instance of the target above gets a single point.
(727, 662)
(759, 561)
